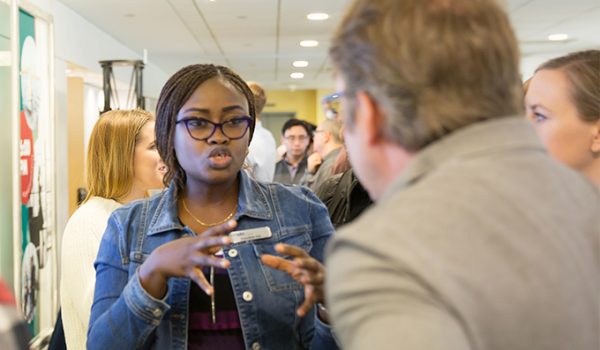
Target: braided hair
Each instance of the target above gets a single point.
(176, 91)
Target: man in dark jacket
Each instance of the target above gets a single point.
(296, 136)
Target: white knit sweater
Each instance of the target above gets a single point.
(80, 244)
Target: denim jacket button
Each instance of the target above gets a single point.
(232, 253)
(247, 296)
(157, 312)
(255, 346)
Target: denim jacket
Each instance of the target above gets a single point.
(125, 316)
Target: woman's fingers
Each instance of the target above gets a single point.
(208, 260)
(277, 263)
(197, 276)
(309, 301)
(220, 230)
(286, 249)
(308, 263)
(205, 243)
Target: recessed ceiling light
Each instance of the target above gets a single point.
(317, 16)
(300, 64)
(297, 75)
(558, 37)
(309, 43)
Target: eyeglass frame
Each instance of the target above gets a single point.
(293, 138)
(246, 118)
(333, 97)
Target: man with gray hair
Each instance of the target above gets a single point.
(327, 144)
(478, 239)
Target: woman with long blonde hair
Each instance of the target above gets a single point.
(122, 166)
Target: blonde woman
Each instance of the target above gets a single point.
(122, 165)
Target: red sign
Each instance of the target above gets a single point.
(26, 159)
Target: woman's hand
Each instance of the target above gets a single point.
(185, 257)
(304, 269)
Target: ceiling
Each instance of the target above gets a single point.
(260, 38)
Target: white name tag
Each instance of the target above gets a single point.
(250, 234)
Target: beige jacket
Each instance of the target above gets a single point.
(484, 242)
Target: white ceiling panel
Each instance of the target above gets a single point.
(260, 38)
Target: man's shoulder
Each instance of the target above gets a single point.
(468, 197)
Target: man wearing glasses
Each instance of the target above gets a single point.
(478, 239)
(327, 143)
(296, 137)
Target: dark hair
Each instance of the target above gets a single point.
(176, 91)
(296, 122)
(583, 73)
(432, 66)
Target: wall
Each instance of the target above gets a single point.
(301, 102)
(75, 130)
(7, 146)
(72, 33)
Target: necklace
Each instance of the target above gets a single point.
(204, 223)
(213, 308)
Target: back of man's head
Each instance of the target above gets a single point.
(334, 129)
(260, 97)
(432, 66)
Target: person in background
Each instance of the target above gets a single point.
(122, 165)
(295, 135)
(342, 193)
(478, 239)
(326, 147)
(262, 156)
(168, 274)
(563, 102)
(14, 334)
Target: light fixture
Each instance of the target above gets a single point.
(558, 37)
(297, 75)
(317, 16)
(309, 43)
(300, 64)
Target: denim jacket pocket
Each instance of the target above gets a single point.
(278, 281)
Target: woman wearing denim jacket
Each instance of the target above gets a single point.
(168, 274)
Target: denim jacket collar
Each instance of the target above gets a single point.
(252, 202)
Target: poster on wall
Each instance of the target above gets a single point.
(36, 170)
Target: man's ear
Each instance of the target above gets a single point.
(369, 117)
(595, 146)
